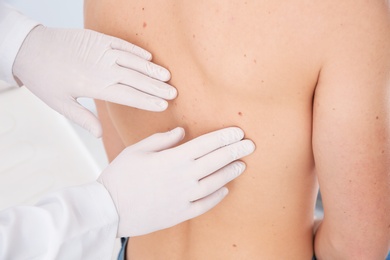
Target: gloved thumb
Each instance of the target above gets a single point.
(161, 141)
(85, 118)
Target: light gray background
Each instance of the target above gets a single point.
(64, 14)
(54, 13)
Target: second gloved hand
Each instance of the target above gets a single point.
(61, 65)
(155, 186)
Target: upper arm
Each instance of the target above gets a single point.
(351, 131)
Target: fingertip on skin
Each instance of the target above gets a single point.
(240, 167)
(241, 149)
(203, 205)
(172, 93)
(249, 146)
(231, 135)
(160, 105)
(119, 44)
(179, 131)
(224, 191)
(238, 133)
(90, 123)
(96, 131)
(144, 54)
(164, 74)
(147, 55)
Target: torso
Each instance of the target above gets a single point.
(252, 64)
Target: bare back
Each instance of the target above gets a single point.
(252, 64)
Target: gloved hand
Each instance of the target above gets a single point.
(155, 186)
(61, 65)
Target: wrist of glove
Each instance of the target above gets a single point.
(61, 65)
(155, 186)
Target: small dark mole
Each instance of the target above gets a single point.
(284, 207)
(377, 117)
(388, 226)
(136, 34)
(262, 81)
(143, 8)
(193, 36)
(254, 61)
(144, 24)
(383, 151)
(245, 55)
(240, 113)
(234, 245)
(350, 181)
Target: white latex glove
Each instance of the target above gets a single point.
(61, 65)
(155, 186)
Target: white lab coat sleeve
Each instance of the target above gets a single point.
(75, 223)
(14, 27)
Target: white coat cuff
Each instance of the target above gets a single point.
(102, 205)
(74, 223)
(14, 27)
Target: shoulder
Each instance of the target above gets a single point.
(358, 21)
(355, 31)
(354, 12)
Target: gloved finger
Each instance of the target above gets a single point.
(146, 84)
(217, 180)
(128, 96)
(223, 156)
(84, 118)
(130, 61)
(201, 206)
(160, 141)
(209, 142)
(119, 44)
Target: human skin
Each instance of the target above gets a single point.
(308, 82)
